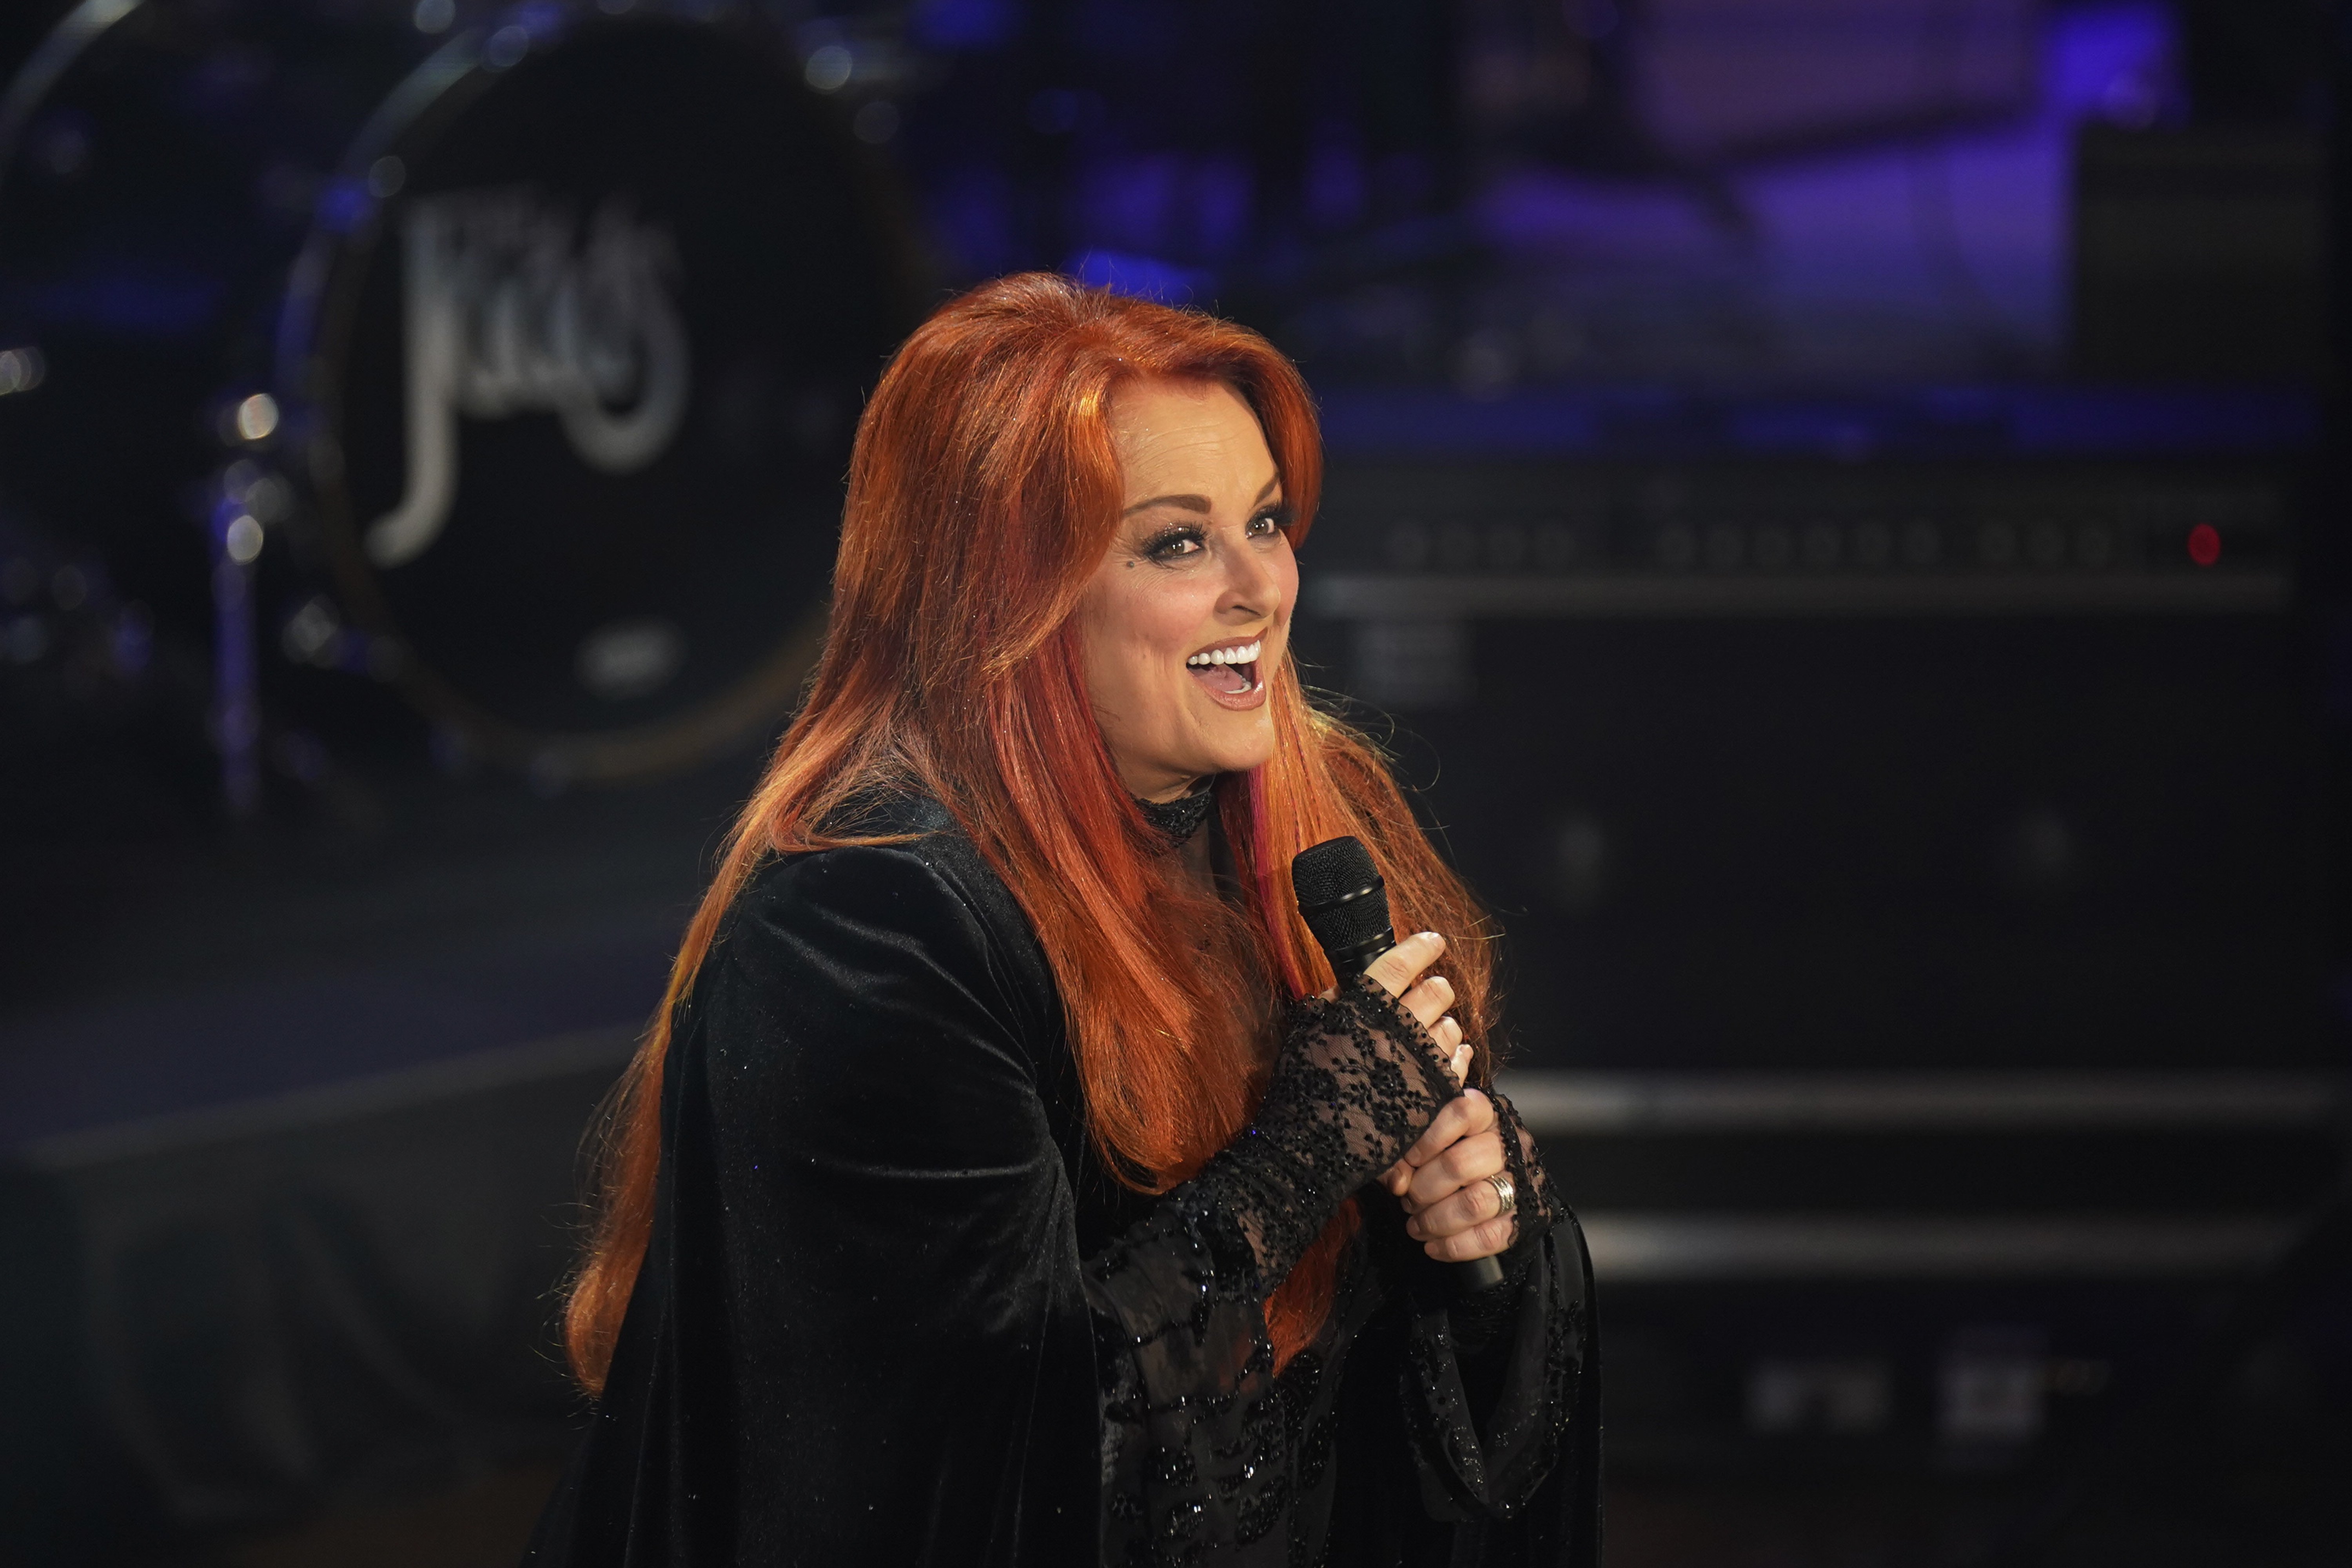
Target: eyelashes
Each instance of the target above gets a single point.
(1170, 544)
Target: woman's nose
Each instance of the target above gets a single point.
(1252, 584)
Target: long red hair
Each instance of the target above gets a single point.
(983, 493)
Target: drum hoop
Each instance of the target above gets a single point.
(64, 43)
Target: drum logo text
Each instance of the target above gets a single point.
(511, 310)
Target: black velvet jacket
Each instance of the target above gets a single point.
(896, 1311)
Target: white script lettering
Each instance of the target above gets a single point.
(510, 310)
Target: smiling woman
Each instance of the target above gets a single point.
(1195, 599)
(1002, 1179)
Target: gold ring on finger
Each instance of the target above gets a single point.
(1507, 1196)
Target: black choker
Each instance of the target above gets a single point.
(1181, 817)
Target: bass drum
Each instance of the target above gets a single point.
(540, 411)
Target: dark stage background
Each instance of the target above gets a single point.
(1835, 503)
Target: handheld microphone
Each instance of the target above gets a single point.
(1345, 905)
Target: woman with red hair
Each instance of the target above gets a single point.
(1007, 1177)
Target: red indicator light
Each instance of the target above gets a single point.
(2204, 544)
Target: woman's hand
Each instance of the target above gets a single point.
(1450, 1208)
(1399, 973)
(1453, 1210)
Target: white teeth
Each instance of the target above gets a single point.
(1247, 654)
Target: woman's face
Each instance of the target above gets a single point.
(1191, 610)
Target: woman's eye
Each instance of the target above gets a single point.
(1272, 520)
(1174, 544)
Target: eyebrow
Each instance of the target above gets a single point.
(1195, 503)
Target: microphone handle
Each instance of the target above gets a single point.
(1479, 1274)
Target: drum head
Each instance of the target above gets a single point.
(578, 353)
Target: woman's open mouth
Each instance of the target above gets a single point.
(1229, 672)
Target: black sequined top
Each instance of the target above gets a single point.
(896, 1311)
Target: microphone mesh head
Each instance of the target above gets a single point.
(1323, 877)
(1331, 871)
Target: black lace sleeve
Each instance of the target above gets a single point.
(1194, 1440)
(1493, 1381)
